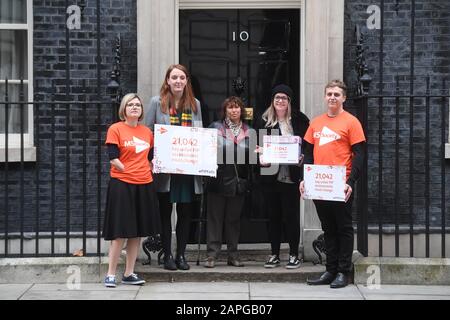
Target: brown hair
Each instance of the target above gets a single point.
(123, 104)
(337, 83)
(187, 99)
(233, 100)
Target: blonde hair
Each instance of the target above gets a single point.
(187, 99)
(123, 104)
(270, 116)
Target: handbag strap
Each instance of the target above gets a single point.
(235, 170)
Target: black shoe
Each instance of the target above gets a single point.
(294, 262)
(325, 278)
(181, 263)
(273, 262)
(169, 264)
(340, 281)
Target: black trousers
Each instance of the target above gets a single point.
(284, 212)
(223, 216)
(184, 217)
(336, 220)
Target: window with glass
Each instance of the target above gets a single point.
(15, 68)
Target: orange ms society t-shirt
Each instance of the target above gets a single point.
(333, 137)
(134, 145)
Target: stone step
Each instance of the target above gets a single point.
(252, 255)
(247, 252)
(252, 271)
(402, 271)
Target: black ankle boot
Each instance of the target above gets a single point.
(325, 278)
(340, 281)
(169, 264)
(181, 263)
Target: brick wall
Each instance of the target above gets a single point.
(431, 58)
(49, 67)
(431, 54)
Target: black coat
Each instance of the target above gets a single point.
(300, 123)
(225, 182)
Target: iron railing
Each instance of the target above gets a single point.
(404, 192)
(59, 195)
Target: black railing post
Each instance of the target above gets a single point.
(444, 113)
(362, 93)
(37, 124)
(99, 131)
(6, 169)
(363, 241)
(427, 169)
(113, 87)
(21, 106)
(397, 160)
(84, 161)
(68, 138)
(380, 131)
(53, 167)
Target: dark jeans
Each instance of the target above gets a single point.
(184, 216)
(223, 215)
(336, 219)
(284, 211)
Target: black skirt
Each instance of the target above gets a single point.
(131, 211)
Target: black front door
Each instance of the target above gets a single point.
(243, 53)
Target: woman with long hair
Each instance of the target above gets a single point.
(281, 188)
(176, 105)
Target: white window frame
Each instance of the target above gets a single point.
(14, 139)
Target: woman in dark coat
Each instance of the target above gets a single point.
(281, 187)
(225, 193)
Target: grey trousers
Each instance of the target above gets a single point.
(223, 214)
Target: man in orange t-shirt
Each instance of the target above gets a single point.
(336, 138)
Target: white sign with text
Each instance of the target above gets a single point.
(324, 182)
(281, 149)
(185, 150)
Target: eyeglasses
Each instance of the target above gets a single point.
(281, 98)
(131, 105)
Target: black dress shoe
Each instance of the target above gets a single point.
(235, 263)
(325, 278)
(169, 264)
(181, 263)
(340, 281)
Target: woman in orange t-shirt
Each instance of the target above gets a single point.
(131, 205)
